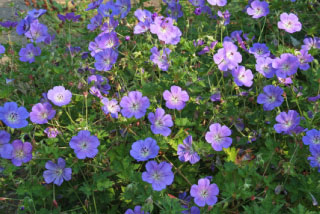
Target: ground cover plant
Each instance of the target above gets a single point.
(192, 107)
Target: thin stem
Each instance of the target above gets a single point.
(261, 30)
(178, 170)
(78, 197)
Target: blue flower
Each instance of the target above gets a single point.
(143, 150)
(159, 175)
(315, 157)
(186, 152)
(160, 122)
(271, 98)
(312, 138)
(56, 173)
(14, 116)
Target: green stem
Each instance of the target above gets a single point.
(261, 30)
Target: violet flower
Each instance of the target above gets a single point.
(289, 22)
(29, 53)
(204, 193)
(176, 98)
(59, 96)
(143, 150)
(259, 50)
(57, 173)
(264, 67)
(285, 65)
(14, 116)
(69, 17)
(219, 3)
(160, 122)
(110, 106)
(271, 98)
(85, 144)
(159, 175)
(186, 152)
(41, 113)
(312, 138)
(51, 132)
(258, 9)
(134, 105)
(21, 153)
(287, 122)
(160, 58)
(218, 137)
(105, 59)
(242, 77)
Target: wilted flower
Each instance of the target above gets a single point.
(85, 145)
(8, 24)
(95, 22)
(109, 25)
(94, 5)
(218, 137)
(225, 16)
(159, 175)
(174, 11)
(100, 83)
(41, 113)
(56, 173)
(59, 96)
(134, 105)
(160, 122)
(28, 53)
(35, 14)
(143, 150)
(271, 98)
(287, 122)
(51, 132)
(216, 97)
(197, 3)
(289, 22)
(160, 57)
(258, 9)
(186, 152)
(69, 17)
(204, 193)
(242, 77)
(314, 99)
(14, 116)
